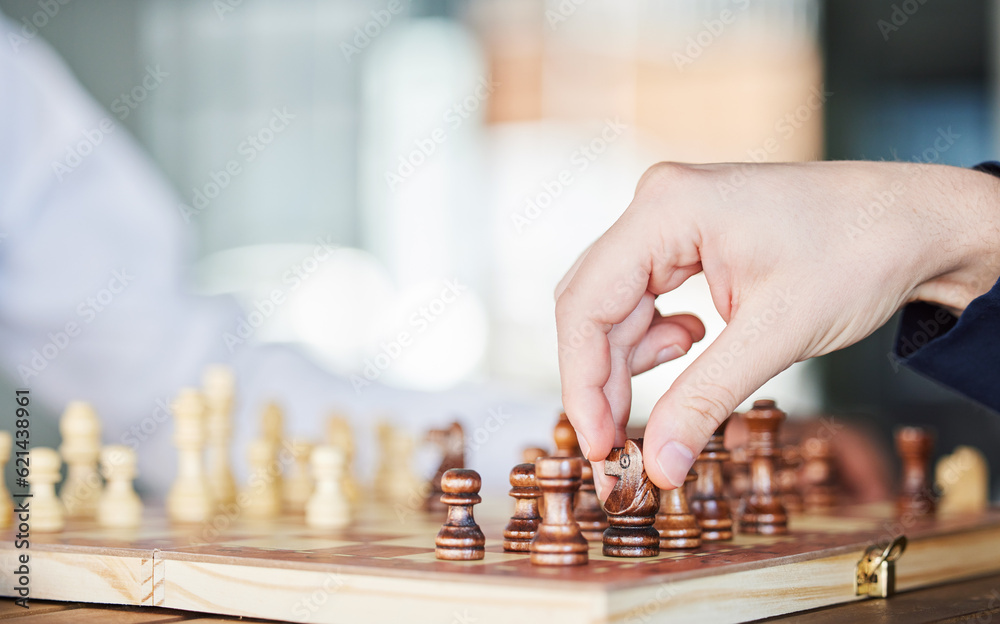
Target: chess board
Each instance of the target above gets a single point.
(382, 569)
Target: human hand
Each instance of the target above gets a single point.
(801, 260)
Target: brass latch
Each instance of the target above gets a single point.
(876, 573)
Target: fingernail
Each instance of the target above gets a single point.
(584, 445)
(669, 353)
(675, 460)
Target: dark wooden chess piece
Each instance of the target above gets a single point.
(631, 506)
(524, 523)
(915, 446)
(558, 540)
(763, 512)
(818, 475)
(588, 511)
(708, 501)
(460, 539)
(788, 479)
(530, 454)
(451, 441)
(567, 444)
(677, 526)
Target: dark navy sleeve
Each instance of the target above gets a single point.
(963, 353)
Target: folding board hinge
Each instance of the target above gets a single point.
(876, 571)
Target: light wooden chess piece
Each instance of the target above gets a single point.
(6, 504)
(262, 493)
(119, 507)
(962, 478)
(219, 386)
(339, 435)
(272, 429)
(190, 498)
(81, 435)
(47, 512)
(299, 484)
(328, 507)
(395, 481)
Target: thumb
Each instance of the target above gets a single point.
(735, 365)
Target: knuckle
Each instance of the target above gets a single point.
(713, 403)
(664, 176)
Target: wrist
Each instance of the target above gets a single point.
(974, 264)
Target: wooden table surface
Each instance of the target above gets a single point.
(976, 601)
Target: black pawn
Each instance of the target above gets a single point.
(460, 539)
(524, 523)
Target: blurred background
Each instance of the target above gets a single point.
(457, 157)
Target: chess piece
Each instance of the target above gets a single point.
(395, 481)
(460, 539)
(451, 441)
(915, 446)
(736, 472)
(47, 512)
(6, 504)
(708, 501)
(631, 506)
(558, 540)
(272, 430)
(524, 523)
(338, 434)
(119, 507)
(190, 498)
(81, 435)
(219, 387)
(763, 512)
(677, 526)
(530, 454)
(262, 495)
(328, 507)
(567, 444)
(962, 478)
(588, 511)
(818, 475)
(787, 479)
(299, 484)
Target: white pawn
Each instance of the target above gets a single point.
(339, 435)
(299, 485)
(81, 435)
(262, 494)
(189, 499)
(219, 385)
(6, 504)
(47, 512)
(119, 507)
(328, 507)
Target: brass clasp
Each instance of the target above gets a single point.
(876, 572)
